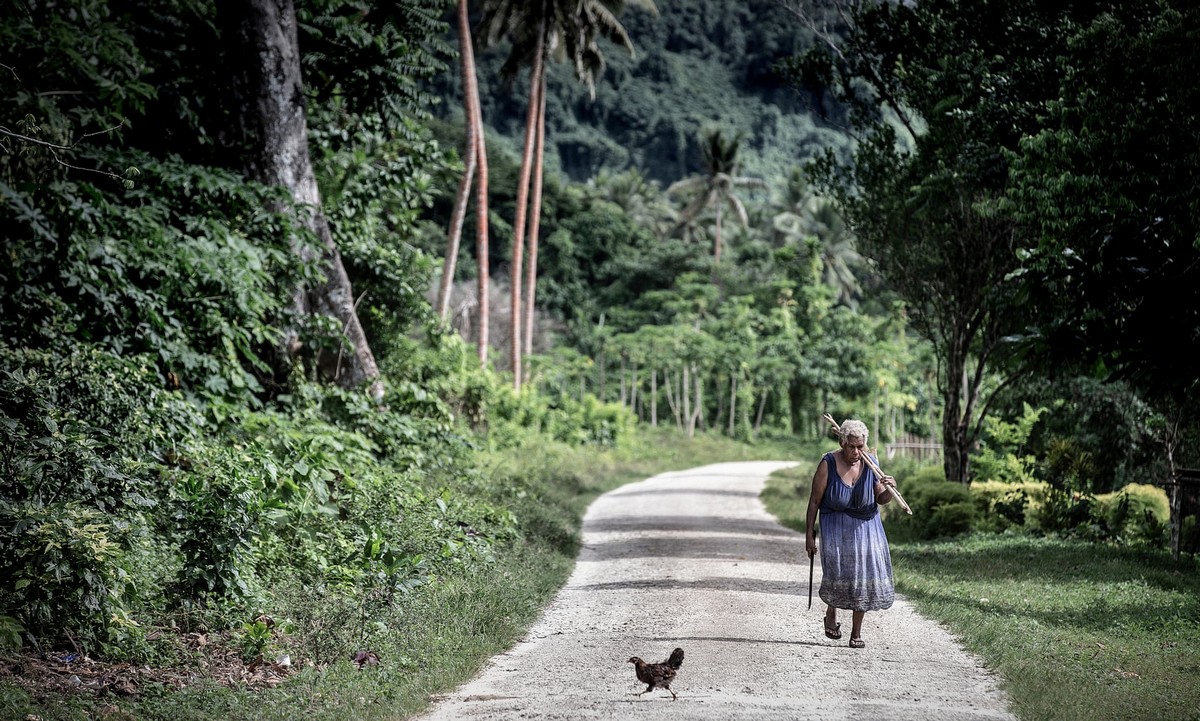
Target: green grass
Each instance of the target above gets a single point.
(1075, 630)
(440, 634)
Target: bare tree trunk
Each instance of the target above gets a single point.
(622, 380)
(732, 404)
(633, 400)
(955, 423)
(699, 409)
(762, 406)
(442, 308)
(535, 216)
(685, 392)
(471, 151)
(717, 237)
(518, 237)
(669, 385)
(875, 429)
(654, 398)
(720, 419)
(482, 246)
(274, 119)
(602, 367)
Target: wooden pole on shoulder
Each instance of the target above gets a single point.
(874, 466)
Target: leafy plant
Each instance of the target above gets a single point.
(65, 565)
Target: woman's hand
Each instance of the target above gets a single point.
(810, 546)
(883, 489)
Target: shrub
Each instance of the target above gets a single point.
(80, 432)
(1137, 512)
(1001, 456)
(1063, 511)
(1001, 506)
(63, 562)
(940, 508)
(218, 503)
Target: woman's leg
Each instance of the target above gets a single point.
(831, 625)
(856, 628)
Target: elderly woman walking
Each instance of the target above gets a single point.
(856, 565)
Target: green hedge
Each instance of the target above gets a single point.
(1135, 513)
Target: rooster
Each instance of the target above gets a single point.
(658, 675)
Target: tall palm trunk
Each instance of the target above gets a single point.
(717, 236)
(518, 237)
(535, 217)
(481, 218)
(274, 119)
(470, 156)
(474, 119)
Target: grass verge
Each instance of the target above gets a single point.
(1077, 631)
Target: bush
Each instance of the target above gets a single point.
(940, 508)
(1001, 506)
(62, 565)
(80, 432)
(1137, 512)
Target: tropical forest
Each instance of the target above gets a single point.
(323, 322)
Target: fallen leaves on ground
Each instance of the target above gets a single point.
(209, 657)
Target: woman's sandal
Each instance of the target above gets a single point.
(835, 633)
(857, 643)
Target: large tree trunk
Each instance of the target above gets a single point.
(535, 215)
(956, 418)
(470, 154)
(518, 238)
(267, 77)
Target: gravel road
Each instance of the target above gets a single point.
(692, 559)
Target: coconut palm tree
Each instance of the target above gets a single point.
(716, 187)
(805, 214)
(475, 157)
(561, 30)
(641, 199)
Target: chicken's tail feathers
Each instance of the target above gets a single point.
(676, 659)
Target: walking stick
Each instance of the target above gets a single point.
(810, 577)
(874, 467)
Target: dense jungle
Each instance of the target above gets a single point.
(322, 321)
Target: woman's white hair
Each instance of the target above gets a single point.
(853, 429)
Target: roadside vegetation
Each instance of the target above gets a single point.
(378, 649)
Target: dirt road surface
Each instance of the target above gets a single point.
(692, 559)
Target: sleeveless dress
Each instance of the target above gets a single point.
(856, 565)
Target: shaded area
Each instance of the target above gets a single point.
(732, 639)
(728, 548)
(714, 583)
(709, 524)
(684, 491)
(1024, 559)
(712, 473)
(1100, 616)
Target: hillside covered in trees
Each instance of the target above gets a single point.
(694, 66)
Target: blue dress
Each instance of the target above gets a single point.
(856, 565)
